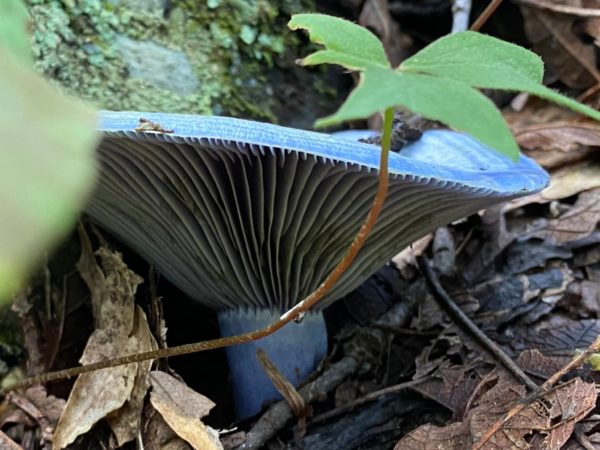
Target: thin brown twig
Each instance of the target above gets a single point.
(541, 391)
(589, 92)
(485, 15)
(464, 322)
(287, 317)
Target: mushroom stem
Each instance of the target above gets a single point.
(295, 350)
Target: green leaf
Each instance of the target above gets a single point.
(47, 167)
(451, 102)
(13, 29)
(346, 43)
(486, 62)
(478, 60)
(542, 91)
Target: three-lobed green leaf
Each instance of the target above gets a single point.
(440, 82)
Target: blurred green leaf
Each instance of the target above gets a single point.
(381, 88)
(346, 43)
(47, 167)
(14, 21)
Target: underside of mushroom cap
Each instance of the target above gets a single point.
(239, 213)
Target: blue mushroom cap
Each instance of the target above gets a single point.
(240, 213)
(249, 218)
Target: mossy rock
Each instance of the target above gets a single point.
(224, 57)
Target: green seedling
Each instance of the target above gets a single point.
(440, 82)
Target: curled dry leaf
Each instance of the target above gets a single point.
(182, 408)
(565, 136)
(554, 137)
(121, 329)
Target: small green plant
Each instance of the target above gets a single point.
(440, 82)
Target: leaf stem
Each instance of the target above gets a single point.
(310, 301)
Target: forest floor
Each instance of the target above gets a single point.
(407, 368)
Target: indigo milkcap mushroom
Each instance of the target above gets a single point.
(249, 218)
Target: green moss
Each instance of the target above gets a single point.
(231, 46)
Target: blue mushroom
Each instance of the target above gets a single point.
(248, 218)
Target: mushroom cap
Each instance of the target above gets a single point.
(239, 213)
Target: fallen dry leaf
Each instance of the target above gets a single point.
(125, 423)
(571, 402)
(556, 335)
(536, 363)
(49, 405)
(44, 409)
(96, 394)
(554, 39)
(408, 257)
(7, 443)
(182, 408)
(554, 418)
(375, 15)
(119, 325)
(158, 435)
(573, 179)
(451, 386)
(558, 144)
(562, 135)
(577, 222)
